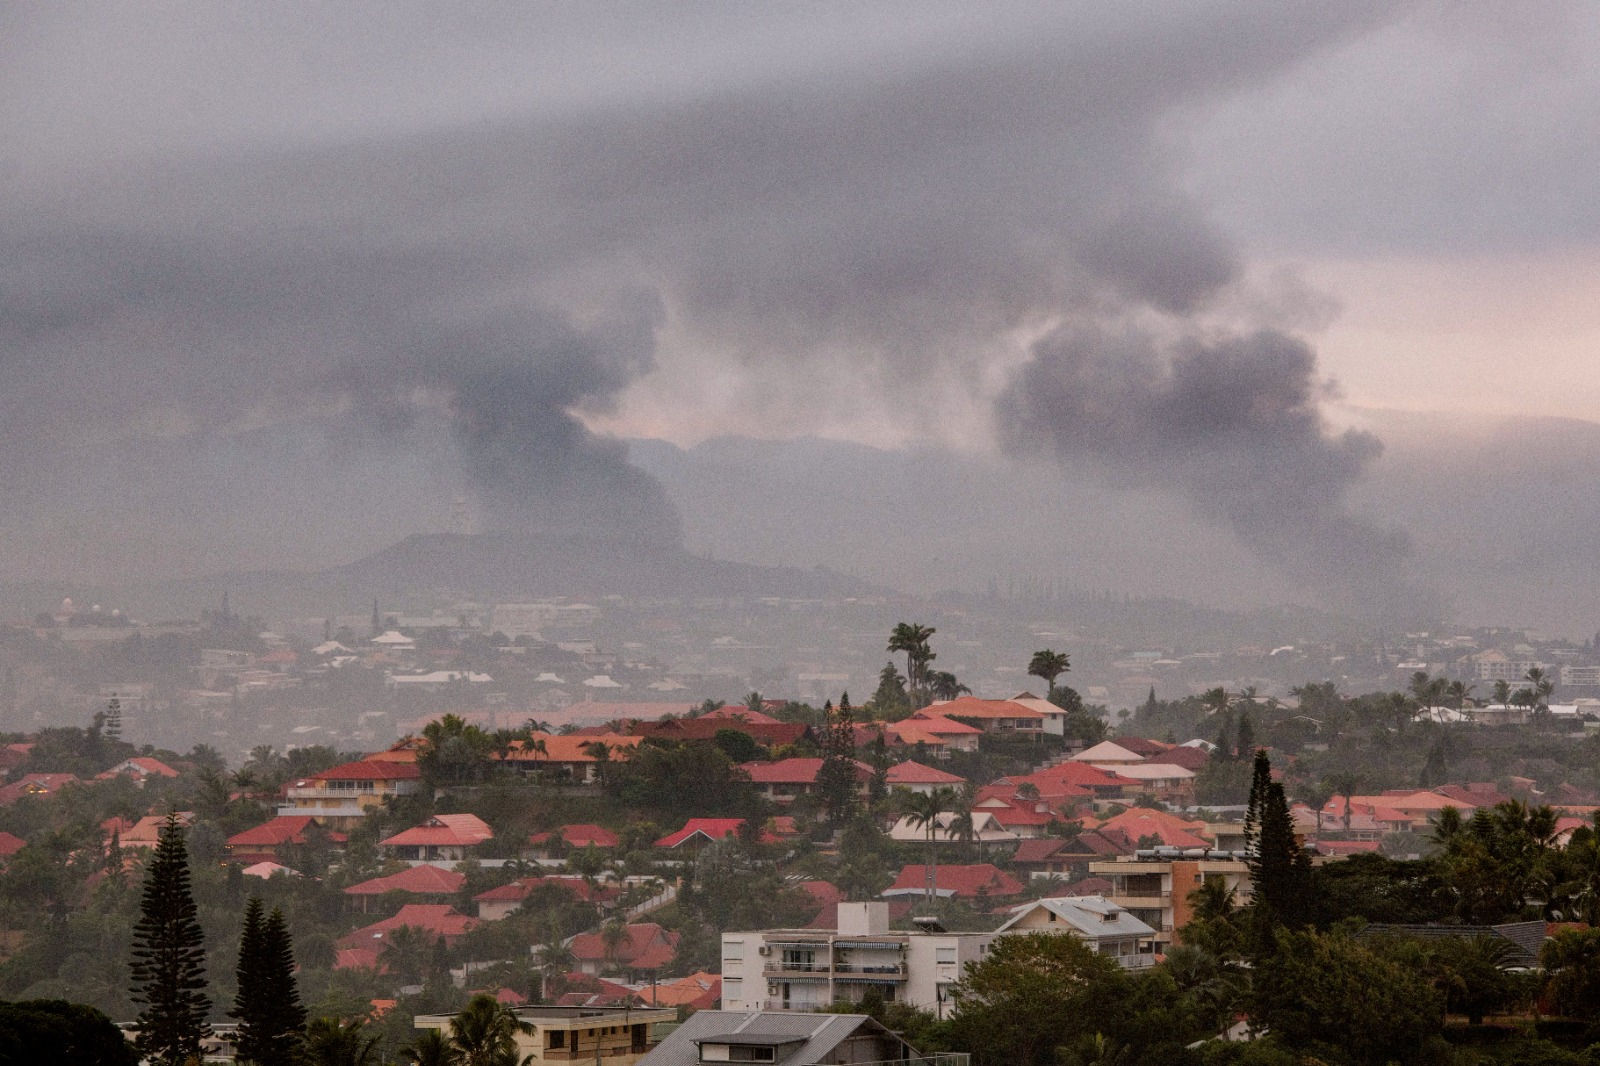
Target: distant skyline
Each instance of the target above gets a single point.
(282, 281)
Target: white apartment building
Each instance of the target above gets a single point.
(1155, 886)
(811, 969)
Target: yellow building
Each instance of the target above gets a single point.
(609, 1036)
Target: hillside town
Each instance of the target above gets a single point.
(662, 859)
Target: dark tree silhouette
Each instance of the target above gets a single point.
(169, 957)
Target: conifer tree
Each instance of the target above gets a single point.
(836, 779)
(271, 1020)
(168, 964)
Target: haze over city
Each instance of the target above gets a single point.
(1302, 315)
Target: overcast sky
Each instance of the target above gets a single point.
(1186, 244)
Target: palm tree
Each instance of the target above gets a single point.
(1317, 797)
(485, 1033)
(1048, 665)
(407, 953)
(555, 960)
(1215, 701)
(1459, 694)
(432, 1048)
(1345, 783)
(913, 640)
(923, 811)
(614, 936)
(330, 1042)
(943, 685)
(600, 751)
(1502, 693)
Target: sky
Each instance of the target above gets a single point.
(276, 274)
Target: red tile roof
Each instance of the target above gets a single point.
(370, 769)
(10, 844)
(1039, 850)
(443, 830)
(419, 880)
(914, 773)
(284, 829)
(35, 785)
(439, 919)
(964, 882)
(582, 835)
(794, 771)
(140, 766)
(985, 710)
(711, 829)
(522, 888)
(698, 991)
(648, 947)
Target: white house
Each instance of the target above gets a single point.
(1105, 926)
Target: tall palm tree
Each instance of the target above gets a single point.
(485, 1033)
(912, 639)
(555, 960)
(407, 953)
(923, 810)
(614, 936)
(1216, 700)
(1048, 665)
(1345, 783)
(1502, 693)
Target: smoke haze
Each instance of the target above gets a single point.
(496, 241)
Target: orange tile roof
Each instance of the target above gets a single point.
(459, 830)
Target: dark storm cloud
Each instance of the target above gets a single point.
(1232, 424)
(834, 195)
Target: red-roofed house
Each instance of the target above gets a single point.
(414, 880)
(697, 832)
(41, 786)
(936, 733)
(785, 779)
(962, 882)
(992, 716)
(648, 947)
(698, 991)
(1024, 818)
(496, 903)
(573, 757)
(340, 796)
(771, 734)
(442, 838)
(437, 920)
(557, 842)
(10, 844)
(915, 777)
(266, 841)
(140, 769)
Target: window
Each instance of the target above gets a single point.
(733, 951)
(558, 1038)
(745, 1053)
(732, 988)
(945, 956)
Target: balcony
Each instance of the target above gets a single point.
(873, 969)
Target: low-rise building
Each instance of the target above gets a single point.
(340, 796)
(615, 1035)
(1154, 886)
(811, 969)
(1106, 927)
(787, 1039)
(442, 838)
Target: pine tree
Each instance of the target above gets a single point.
(271, 1020)
(168, 964)
(1260, 779)
(836, 779)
